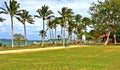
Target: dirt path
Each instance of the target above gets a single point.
(36, 49)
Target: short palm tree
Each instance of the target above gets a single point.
(23, 17)
(12, 9)
(44, 13)
(42, 33)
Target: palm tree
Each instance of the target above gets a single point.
(12, 9)
(61, 23)
(23, 17)
(44, 13)
(77, 21)
(59, 37)
(65, 13)
(70, 30)
(71, 23)
(55, 22)
(42, 33)
(50, 27)
(85, 22)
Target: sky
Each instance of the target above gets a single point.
(78, 6)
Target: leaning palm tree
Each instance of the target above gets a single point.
(12, 9)
(44, 13)
(23, 17)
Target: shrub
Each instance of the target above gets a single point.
(0, 44)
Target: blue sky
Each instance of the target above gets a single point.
(78, 6)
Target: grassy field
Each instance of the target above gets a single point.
(80, 58)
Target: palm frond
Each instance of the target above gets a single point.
(19, 19)
(1, 19)
(37, 16)
(3, 11)
(8, 9)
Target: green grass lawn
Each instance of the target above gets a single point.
(81, 58)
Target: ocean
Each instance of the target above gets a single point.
(7, 42)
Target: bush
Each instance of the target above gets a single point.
(0, 44)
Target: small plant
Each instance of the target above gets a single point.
(0, 44)
(19, 38)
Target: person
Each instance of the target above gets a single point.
(66, 43)
(83, 39)
(34, 43)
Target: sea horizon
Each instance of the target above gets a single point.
(7, 42)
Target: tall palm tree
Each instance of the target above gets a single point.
(70, 24)
(65, 13)
(61, 23)
(70, 30)
(77, 21)
(50, 27)
(44, 13)
(23, 17)
(12, 9)
(58, 21)
(85, 22)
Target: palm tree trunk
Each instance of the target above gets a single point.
(61, 31)
(77, 35)
(115, 42)
(12, 31)
(69, 38)
(74, 36)
(43, 33)
(25, 34)
(62, 35)
(50, 36)
(55, 35)
(106, 42)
